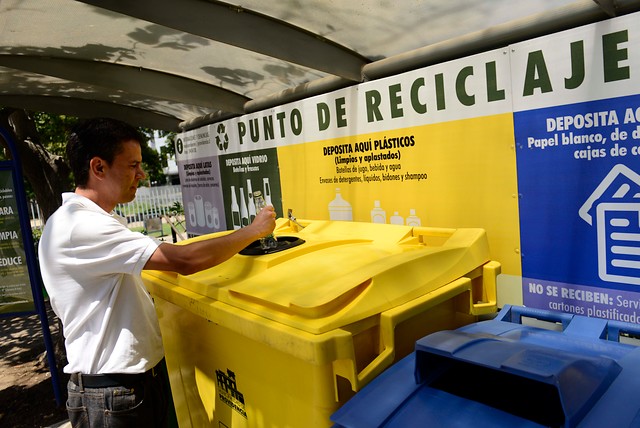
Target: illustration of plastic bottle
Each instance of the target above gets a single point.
(267, 191)
(413, 220)
(251, 206)
(244, 213)
(396, 219)
(378, 215)
(339, 209)
(268, 241)
(235, 209)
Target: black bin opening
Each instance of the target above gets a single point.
(284, 243)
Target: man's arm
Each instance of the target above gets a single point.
(196, 256)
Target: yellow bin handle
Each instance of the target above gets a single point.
(391, 318)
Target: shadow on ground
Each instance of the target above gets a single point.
(27, 397)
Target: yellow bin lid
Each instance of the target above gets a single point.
(342, 273)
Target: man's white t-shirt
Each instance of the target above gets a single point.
(91, 265)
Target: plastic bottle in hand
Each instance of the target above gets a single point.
(268, 241)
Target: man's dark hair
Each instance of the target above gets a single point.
(101, 137)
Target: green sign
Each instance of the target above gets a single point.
(15, 284)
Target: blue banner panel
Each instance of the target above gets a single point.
(15, 284)
(579, 184)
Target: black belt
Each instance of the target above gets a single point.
(109, 380)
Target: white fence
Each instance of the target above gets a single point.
(149, 202)
(35, 215)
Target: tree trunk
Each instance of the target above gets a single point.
(47, 173)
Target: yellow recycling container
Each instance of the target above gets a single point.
(284, 339)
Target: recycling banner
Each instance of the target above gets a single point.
(15, 285)
(577, 128)
(538, 143)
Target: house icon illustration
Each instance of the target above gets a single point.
(615, 206)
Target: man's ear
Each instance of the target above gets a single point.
(97, 166)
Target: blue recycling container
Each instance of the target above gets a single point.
(525, 368)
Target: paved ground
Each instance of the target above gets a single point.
(26, 392)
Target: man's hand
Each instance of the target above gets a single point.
(264, 222)
(196, 256)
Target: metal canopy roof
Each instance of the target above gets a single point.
(169, 64)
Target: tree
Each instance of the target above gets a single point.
(47, 172)
(151, 161)
(40, 140)
(169, 149)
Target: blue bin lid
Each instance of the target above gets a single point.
(394, 399)
(567, 384)
(502, 373)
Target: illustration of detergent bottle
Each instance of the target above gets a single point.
(378, 215)
(413, 220)
(339, 209)
(396, 218)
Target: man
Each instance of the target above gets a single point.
(91, 265)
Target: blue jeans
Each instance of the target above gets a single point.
(145, 403)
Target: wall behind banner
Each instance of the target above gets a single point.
(490, 140)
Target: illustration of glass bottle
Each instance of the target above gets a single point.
(267, 191)
(235, 209)
(251, 207)
(270, 240)
(244, 213)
